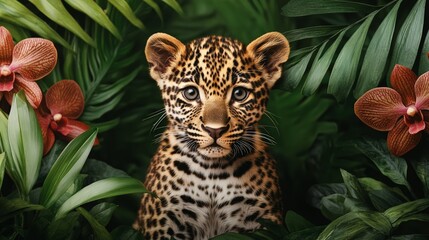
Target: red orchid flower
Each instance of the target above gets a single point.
(403, 110)
(63, 104)
(22, 64)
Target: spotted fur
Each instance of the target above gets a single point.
(212, 173)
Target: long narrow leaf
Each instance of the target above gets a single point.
(311, 32)
(295, 73)
(67, 167)
(55, 10)
(376, 55)
(298, 8)
(25, 139)
(424, 56)
(402, 212)
(344, 71)
(100, 231)
(14, 12)
(126, 10)
(320, 66)
(155, 7)
(96, 13)
(2, 167)
(12, 169)
(105, 188)
(409, 37)
(174, 5)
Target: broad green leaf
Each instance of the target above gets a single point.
(336, 205)
(320, 66)
(126, 233)
(409, 37)
(155, 7)
(25, 139)
(49, 160)
(306, 234)
(420, 217)
(376, 55)
(174, 5)
(424, 56)
(352, 226)
(382, 196)
(344, 71)
(105, 188)
(100, 231)
(13, 207)
(97, 170)
(67, 167)
(296, 222)
(55, 10)
(422, 171)
(311, 32)
(15, 12)
(319, 191)
(62, 228)
(294, 74)
(393, 167)
(231, 236)
(398, 214)
(377, 221)
(126, 10)
(298, 8)
(411, 237)
(103, 212)
(11, 168)
(2, 167)
(354, 189)
(96, 13)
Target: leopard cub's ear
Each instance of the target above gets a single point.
(270, 51)
(161, 51)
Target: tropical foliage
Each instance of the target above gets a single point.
(339, 178)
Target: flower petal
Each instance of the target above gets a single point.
(403, 80)
(77, 128)
(380, 108)
(34, 58)
(31, 89)
(422, 91)
(65, 97)
(6, 46)
(6, 82)
(400, 141)
(48, 142)
(47, 134)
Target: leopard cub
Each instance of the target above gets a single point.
(212, 173)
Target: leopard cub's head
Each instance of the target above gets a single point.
(215, 89)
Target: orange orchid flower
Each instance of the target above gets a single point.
(22, 64)
(63, 104)
(402, 110)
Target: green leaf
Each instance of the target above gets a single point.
(336, 205)
(105, 188)
(320, 66)
(422, 171)
(2, 167)
(103, 212)
(25, 139)
(344, 70)
(97, 170)
(100, 231)
(298, 8)
(353, 186)
(377, 221)
(410, 237)
(67, 167)
(306, 234)
(15, 12)
(382, 196)
(49, 160)
(155, 7)
(409, 37)
(352, 226)
(96, 13)
(400, 213)
(311, 32)
(295, 73)
(62, 228)
(126, 10)
(55, 10)
(126, 233)
(376, 55)
(13, 170)
(175, 6)
(296, 222)
(393, 167)
(424, 56)
(319, 191)
(12, 207)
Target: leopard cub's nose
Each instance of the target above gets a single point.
(215, 133)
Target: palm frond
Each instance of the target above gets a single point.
(363, 57)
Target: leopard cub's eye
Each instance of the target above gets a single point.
(240, 94)
(190, 93)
